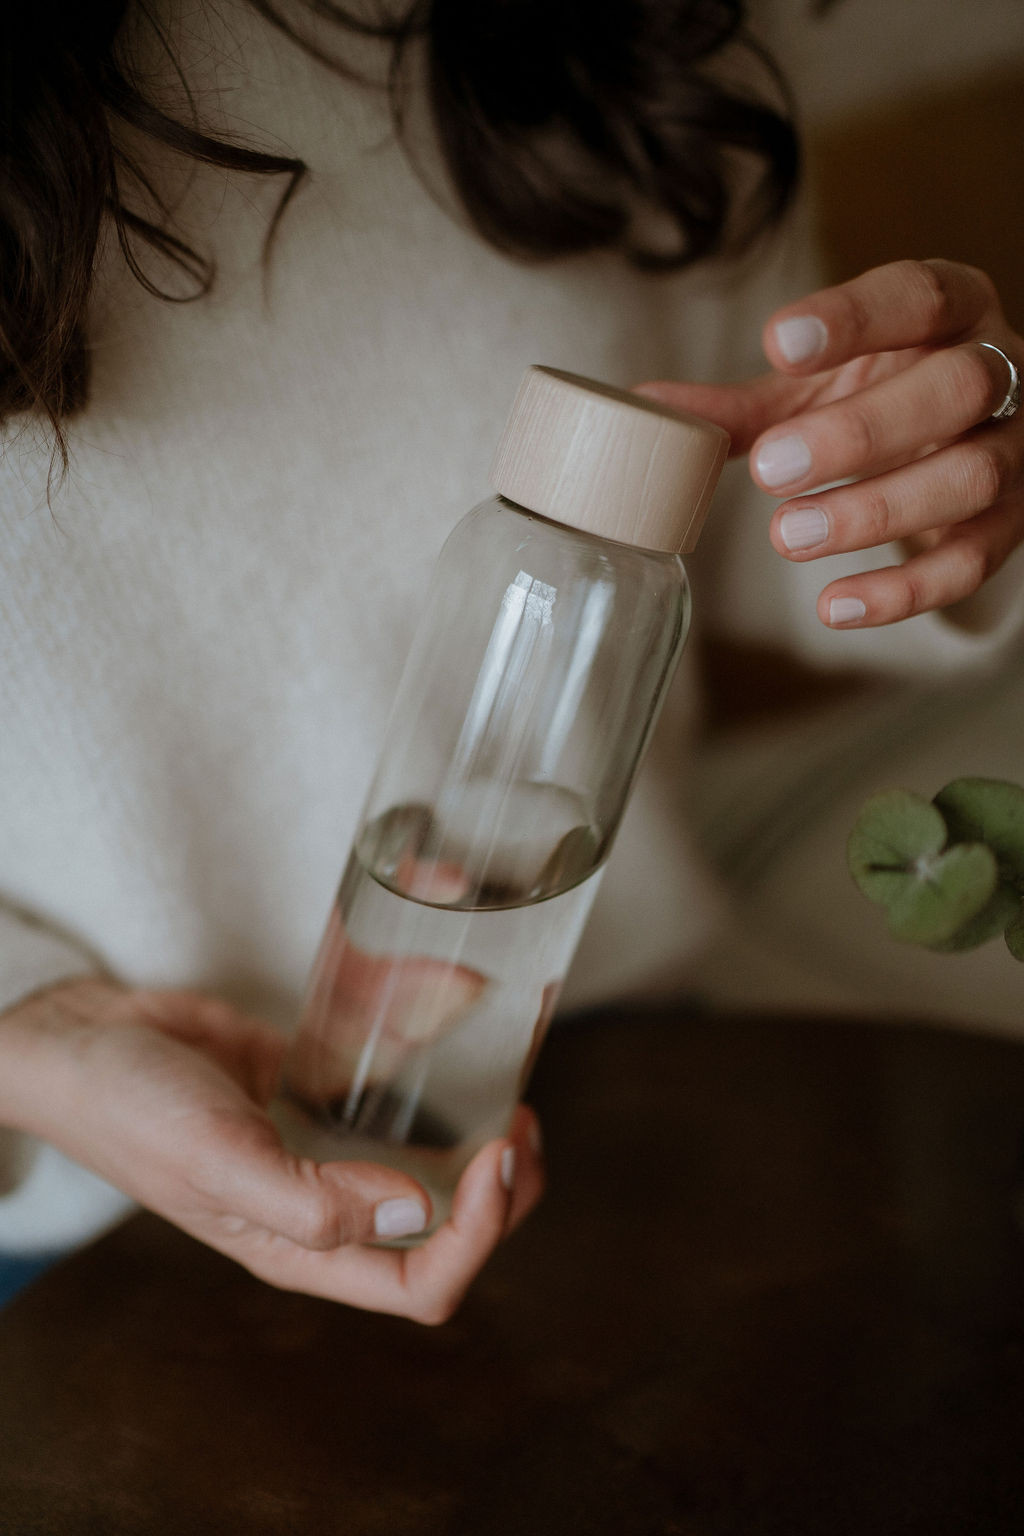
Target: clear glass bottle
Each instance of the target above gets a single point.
(553, 623)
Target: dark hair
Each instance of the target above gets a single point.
(566, 125)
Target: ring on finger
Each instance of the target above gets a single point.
(1011, 402)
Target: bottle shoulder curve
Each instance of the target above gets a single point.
(497, 526)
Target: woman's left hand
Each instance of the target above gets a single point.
(884, 381)
(166, 1094)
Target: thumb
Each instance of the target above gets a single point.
(317, 1205)
(745, 410)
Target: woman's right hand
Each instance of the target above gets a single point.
(883, 390)
(165, 1095)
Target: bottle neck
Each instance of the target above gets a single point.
(598, 540)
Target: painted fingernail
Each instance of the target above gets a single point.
(803, 528)
(846, 610)
(399, 1218)
(800, 339)
(508, 1167)
(783, 460)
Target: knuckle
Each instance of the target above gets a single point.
(982, 473)
(971, 381)
(877, 519)
(931, 287)
(911, 597)
(854, 314)
(319, 1225)
(861, 434)
(953, 293)
(323, 1232)
(974, 565)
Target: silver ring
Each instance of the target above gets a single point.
(1011, 404)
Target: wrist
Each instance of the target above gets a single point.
(40, 1039)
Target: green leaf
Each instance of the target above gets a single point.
(1015, 937)
(941, 896)
(987, 811)
(1001, 909)
(895, 853)
(893, 831)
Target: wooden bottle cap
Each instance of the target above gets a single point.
(608, 461)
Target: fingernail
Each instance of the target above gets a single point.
(399, 1218)
(803, 528)
(783, 460)
(508, 1167)
(846, 610)
(800, 339)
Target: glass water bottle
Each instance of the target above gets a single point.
(554, 621)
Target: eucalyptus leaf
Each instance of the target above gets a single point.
(1015, 937)
(893, 833)
(898, 857)
(942, 894)
(987, 811)
(1002, 908)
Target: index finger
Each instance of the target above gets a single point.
(903, 304)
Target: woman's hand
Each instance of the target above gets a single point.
(164, 1094)
(883, 380)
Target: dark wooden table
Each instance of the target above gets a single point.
(777, 1288)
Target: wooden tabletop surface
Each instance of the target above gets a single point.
(776, 1288)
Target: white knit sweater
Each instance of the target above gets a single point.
(201, 637)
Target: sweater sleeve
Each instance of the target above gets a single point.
(33, 956)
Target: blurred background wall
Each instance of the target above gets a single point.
(914, 130)
(914, 139)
